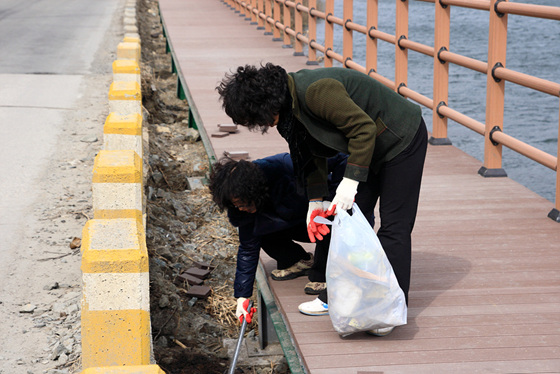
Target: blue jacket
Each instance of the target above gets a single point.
(286, 208)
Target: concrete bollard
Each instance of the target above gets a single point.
(128, 51)
(115, 301)
(117, 185)
(128, 38)
(125, 98)
(144, 369)
(126, 71)
(123, 133)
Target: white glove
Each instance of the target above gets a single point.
(345, 193)
(240, 311)
(313, 205)
(243, 311)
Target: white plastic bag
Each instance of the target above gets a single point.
(363, 291)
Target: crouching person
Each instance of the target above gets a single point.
(264, 203)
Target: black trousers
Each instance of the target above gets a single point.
(397, 187)
(281, 246)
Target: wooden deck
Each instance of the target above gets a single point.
(485, 289)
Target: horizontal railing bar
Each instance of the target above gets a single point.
(464, 61)
(419, 98)
(355, 66)
(332, 19)
(417, 47)
(472, 4)
(386, 81)
(332, 54)
(356, 27)
(462, 119)
(526, 80)
(317, 46)
(526, 150)
(383, 36)
(530, 10)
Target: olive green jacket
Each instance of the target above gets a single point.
(348, 111)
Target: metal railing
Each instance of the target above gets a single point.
(284, 20)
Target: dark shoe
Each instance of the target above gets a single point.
(298, 269)
(314, 288)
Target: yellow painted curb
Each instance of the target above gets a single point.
(117, 188)
(122, 90)
(122, 132)
(120, 166)
(116, 300)
(145, 369)
(125, 97)
(126, 71)
(128, 51)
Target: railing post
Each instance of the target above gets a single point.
(260, 8)
(287, 23)
(371, 42)
(268, 12)
(299, 29)
(329, 33)
(441, 74)
(401, 54)
(555, 212)
(312, 32)
(347, 35)
(253, 15)
(497, 41)
(276, 37)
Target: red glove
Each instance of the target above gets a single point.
(249, 315)
(317, 230)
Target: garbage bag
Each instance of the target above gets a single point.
(363, 290)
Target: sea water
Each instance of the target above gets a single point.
(533, 48)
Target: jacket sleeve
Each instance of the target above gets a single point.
(247, 262)
(329, 100)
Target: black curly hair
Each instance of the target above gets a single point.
(241, 180)
(252, 96)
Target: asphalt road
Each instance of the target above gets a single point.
(46, 48)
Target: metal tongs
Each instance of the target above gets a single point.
(239, 341)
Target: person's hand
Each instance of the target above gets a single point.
(345, 193)
(242, 312)
(316, 230)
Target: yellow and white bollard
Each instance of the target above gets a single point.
(117, 185)
(123, 133)
(125, 97)
(116, 299)
(126, 71)
(129, 51)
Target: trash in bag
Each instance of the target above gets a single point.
(363, 291)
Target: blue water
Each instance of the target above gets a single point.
(533, 48)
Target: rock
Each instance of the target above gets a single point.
(192, 135)
(89, 139)
(51, 286)
(28, 308)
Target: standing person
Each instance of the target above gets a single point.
(327, 110)
(262, 200)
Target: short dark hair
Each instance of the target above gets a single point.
(242, 180)
(252, 96)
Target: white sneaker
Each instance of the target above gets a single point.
(381, 332)
(314, 308)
